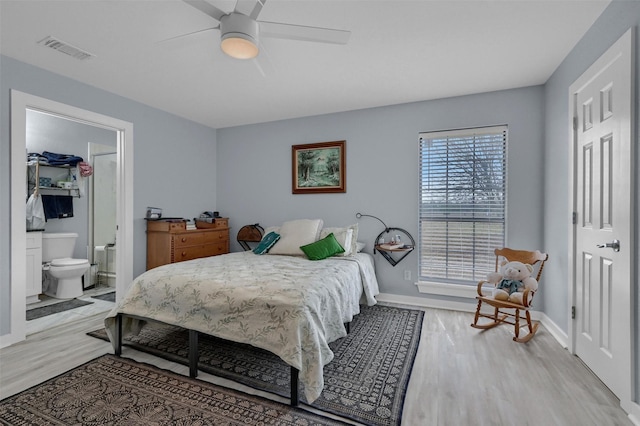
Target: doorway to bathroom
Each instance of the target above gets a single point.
(20, 104)
(91, 218)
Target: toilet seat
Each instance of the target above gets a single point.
(68, 261)
(67, 273)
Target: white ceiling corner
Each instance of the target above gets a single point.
(399, 51)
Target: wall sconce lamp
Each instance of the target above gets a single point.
(393, 253)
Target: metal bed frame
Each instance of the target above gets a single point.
(193, 354)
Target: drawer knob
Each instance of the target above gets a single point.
(184, 253)
(184, 239)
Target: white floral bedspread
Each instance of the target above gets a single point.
(290, 306)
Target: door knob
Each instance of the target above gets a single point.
(615, 245)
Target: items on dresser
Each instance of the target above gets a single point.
(169, 241)
(154, 213)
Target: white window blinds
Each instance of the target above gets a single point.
(462, 203)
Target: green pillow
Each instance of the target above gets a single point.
(266, 243)
(321, 249)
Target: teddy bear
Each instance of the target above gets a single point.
(510, 283)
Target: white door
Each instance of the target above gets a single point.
(602, 103)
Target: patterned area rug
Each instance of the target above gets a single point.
(36, 313)
(119, 391)
(366, 381)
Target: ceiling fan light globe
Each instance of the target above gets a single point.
(239, 36)
(239, 46)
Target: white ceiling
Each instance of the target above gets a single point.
(399, 51)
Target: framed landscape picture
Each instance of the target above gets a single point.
(319, 168)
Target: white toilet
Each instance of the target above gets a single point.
(63, 273)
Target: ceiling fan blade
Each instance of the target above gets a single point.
(303, 33)
(207, 8)
(188, 34)
(251, 8)
(263, 62)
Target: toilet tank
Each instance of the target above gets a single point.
(57, 245)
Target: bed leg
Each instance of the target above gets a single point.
(118, 336)
(294, 387)
(347, 325)
(193, 353)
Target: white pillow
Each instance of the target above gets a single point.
(296, 233)
(343, 236)
(361, 246)
(349, 249)
(269, 229)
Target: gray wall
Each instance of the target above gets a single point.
(612, 24)
(254, 169)
(54, 134)
(173, 158)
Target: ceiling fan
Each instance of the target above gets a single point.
(240, 31)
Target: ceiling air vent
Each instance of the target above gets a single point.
(65, 48)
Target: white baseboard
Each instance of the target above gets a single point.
(426, 302)
(9, 339)
(634, 414)
(553, 329)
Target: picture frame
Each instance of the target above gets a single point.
(319, 168)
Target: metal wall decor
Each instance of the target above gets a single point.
(249, 234)
(394, 244)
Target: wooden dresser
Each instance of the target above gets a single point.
(171, 242)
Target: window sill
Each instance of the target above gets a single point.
(454, 290)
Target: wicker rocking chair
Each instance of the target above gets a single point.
(509, 312)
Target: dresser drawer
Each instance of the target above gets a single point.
(217, 236)
(218, 223)
(166, 226)
(195, 252)
(220, 248)
(189, 239)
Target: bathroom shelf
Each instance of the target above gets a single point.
(33, 176)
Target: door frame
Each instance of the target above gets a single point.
(20, 102)
(95, 149)
(626, 43)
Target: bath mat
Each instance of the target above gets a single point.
(109, 297)
(36, 313)
(366, 381)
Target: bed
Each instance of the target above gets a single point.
(289, 305)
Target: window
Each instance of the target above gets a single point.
(462, 203)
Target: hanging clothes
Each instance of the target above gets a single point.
(57, 206)
(36, 217)
(65, 206)
(35, 213)
(85, 168)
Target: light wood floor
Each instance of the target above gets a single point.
(461, 376)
